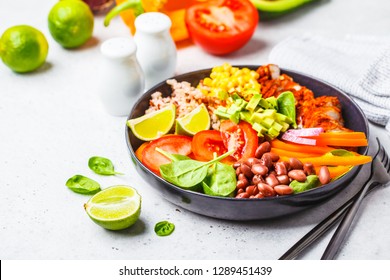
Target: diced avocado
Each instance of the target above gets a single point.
(221, 112)
(272, 133)
(269, 113)
(267, 122)
(263, 103)
(235, 96)
(273, 102)
(277, 126)
(246, 116)
(259, 128)
(233, 109)
(253, 102)
(280, 117)
(235, 117)
(285, 127)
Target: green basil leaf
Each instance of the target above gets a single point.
(220, 180)
(164, 228)
(311, 182)
(83, 185)
(102, 166)
(286, 105)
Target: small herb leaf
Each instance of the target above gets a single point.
(102, 166)
(83, 185)
(164, 228)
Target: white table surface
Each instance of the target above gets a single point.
(52, 121)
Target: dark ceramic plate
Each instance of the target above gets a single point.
(247, 209)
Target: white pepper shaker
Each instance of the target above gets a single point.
(121, 80)
(156, 50)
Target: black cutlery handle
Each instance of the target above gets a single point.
(342, 230)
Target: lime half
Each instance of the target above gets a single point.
(153, 125)
(115, 208)
(197, 120)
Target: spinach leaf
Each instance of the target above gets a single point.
(102, 166)
(188, 173)
(341, 153)
(172, 157)
(220, 180)
(83, 185)
(164, 228)
(311, 182)
(286, 105)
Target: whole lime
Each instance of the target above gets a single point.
(71, 23)
(23, 48)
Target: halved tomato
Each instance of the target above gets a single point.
(207, 142)
(240, 137)
(222, 26)
(174, 144)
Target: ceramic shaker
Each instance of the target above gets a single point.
(156, 50)
(121, 80)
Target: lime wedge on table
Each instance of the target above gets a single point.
(115, 208)
(195, 121)
(153, 125)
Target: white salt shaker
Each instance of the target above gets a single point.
(121, 80)
(156, 50)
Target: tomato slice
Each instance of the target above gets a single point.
(207, 142)
(222, 26)
(174, 144)
(240, 137)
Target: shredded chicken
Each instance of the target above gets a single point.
(323, 111)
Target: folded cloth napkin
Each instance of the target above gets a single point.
(358, 65)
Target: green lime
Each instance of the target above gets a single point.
(23, 48)
(115, 208)
(195, 121)
(153, 125)
(71, 23)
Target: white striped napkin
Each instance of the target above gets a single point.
(358, 65)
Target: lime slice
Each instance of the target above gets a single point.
(197, 120)
(153, 125)
(115, 208)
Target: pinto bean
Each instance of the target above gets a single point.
(266, 160)
(263, 148)
(246, 170)
(242, 195)
(241, 184)
(297, 174)
(271, 180)
(257, 179)
(295, 163)
(283, 189)
(324, 175)
(251, 161)
(236, 165)
(280, 168)
(274, 157)
(283, 179)
(308, 168)
(266, 189)
(252, 190)
(259, 169)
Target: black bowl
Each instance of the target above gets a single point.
(247, 209)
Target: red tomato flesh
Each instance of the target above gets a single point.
(240, 137)
(207, 142)
(222, 26)
(174, 144)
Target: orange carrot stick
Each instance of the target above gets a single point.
(329, 159)
(286, 153)
(278, 144)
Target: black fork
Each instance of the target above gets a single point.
(333, 218)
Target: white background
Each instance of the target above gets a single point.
(52, 122)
